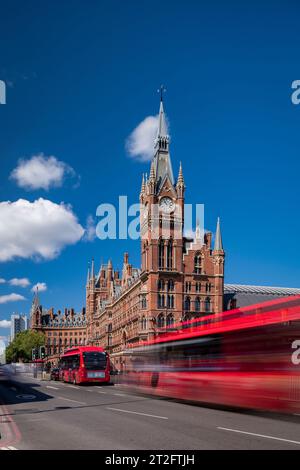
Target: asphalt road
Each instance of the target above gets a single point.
(39, 414)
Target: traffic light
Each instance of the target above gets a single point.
(34, 354)
(42, 352)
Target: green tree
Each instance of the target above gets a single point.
(21, 347)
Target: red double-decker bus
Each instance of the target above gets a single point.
(249, 357)
(85, 364)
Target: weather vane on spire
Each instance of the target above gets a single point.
(161, 90)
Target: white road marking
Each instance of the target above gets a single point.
(74, 401)
(103, 392)
(8, 448)
(136, 413)
(120, 395)
(50, 386)
(36, 419)
(260, 435)
(90, 390)
(72, 386)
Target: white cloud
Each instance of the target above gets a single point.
(19, 282)
(41, 172)
(39, 229)
(140, 143)
(4, 324)
(40, 287)
(90, 229)
(2, 281)
(11, 298)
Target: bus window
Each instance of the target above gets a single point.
(94, 360)
(75, 361)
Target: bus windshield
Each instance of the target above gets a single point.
(94, 360)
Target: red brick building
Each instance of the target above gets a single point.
(179, 278)
(62, 329)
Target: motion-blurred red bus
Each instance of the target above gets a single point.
(85, 364)
(249, 357)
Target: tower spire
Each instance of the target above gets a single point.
(218, 240)
(162, 161)
(162, 124)
(93, 270)
(36, 300)
(180, 180)
(143, 187)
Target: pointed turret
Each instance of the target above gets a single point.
(93, 270)
(218, 239)
(88, 276)
(152, 172)
(109, 270)
(162, 161)
(152, 179)
(36, 300)
(143, 187)
(180, 186)
(36, 310)
(180, 179)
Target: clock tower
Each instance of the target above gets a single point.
(162, 220)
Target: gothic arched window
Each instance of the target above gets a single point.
(170, 254)
(188, 286)
(170, 301)
(197, 304)
(170, 284)
(208, 287)
(198, 263)
(186, 317)
(161, 284)
(187, 304)
(170, 320)
(161, 254)
(144, 323)
(207, 305)
(161, 300)
(161, 320)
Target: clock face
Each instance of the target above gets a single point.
(166, 205)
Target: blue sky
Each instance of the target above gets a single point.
(81, 76)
